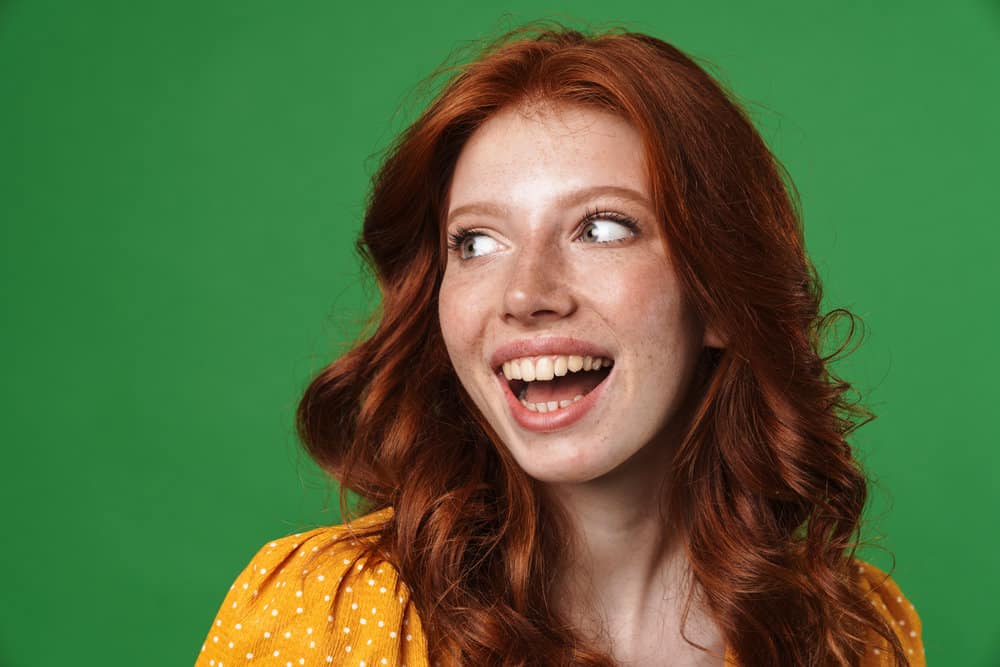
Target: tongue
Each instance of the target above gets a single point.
(565, 388)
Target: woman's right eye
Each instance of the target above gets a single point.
(469, 244)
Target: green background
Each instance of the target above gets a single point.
(181, 184)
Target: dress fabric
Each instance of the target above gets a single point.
(303, 600)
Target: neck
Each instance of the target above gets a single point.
(624, 579)
(624, 558)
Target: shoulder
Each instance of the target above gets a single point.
(318, 596)
(896, 609)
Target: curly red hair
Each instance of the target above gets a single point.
(764, 488)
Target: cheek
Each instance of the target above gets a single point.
(653, 320)
(458, 320)
(644, 298)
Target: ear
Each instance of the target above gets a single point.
(713, 339)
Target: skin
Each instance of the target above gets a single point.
(534, 274)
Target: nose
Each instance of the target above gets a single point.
(538, 288)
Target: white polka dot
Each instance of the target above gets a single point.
(298, 594)
(231, 644)
(309, 631)
(267, 635)
(392, 634)
(321, 578)
(409, 637)
(381, 624)
(238, 626)
(263, 570)
(913, 633)
(219, 623)
(363, 621)
(274, 612)
(899, 598)
(215, 639)
(346, 629)
(354, 605)
(369, 642)
(277, 653)
(312, 644)
(384, 661)
(298, 610)
(288, 634)
(347, 648)
(373, 610)
(371, 582)
(349, 589)
(329, 658)
(249, 656)
(382, 590)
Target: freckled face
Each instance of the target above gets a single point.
(556, 238)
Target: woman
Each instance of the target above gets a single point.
(592, 425)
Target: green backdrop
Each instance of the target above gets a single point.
(181, 184)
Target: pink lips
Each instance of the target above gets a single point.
(563, 417)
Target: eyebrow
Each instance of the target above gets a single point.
(568, 199)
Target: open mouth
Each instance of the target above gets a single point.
(553, 382)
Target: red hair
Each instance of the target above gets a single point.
(764, 488)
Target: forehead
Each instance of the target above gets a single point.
(537, 155)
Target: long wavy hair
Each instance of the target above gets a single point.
(764, 488)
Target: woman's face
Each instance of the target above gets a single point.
(557, 260)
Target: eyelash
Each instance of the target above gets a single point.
(458, 237)
(614, 216)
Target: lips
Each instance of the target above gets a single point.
(554, 415)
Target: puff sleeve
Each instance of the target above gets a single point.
(898, 612)
(307, 600)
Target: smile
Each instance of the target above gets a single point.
(552, 391)
(554, 382)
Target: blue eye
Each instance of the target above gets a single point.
(607, 227)
(468, 243)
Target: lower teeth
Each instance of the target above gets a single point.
(550, 406)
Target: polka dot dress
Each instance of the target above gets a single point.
(304, 600)
(898, 612)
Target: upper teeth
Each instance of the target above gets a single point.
(530, 369)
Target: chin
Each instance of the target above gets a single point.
(572, 467)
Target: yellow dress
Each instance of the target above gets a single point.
(300, 602)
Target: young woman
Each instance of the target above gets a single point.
(593, 424)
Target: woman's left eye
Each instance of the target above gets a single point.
(606, 229)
